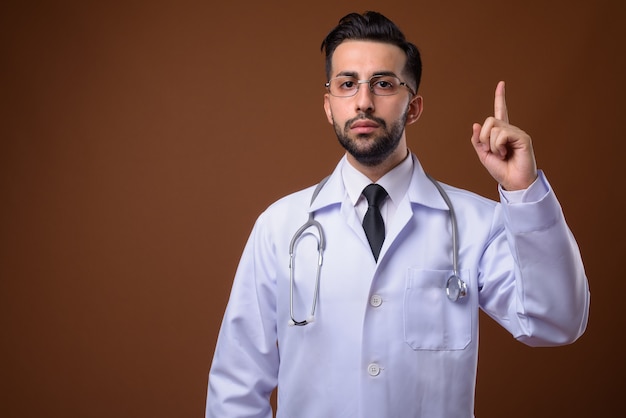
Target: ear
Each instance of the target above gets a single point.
(329, 113)
(416, 105)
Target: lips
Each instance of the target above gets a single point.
(364, 126)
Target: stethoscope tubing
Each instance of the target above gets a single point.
(456, 288)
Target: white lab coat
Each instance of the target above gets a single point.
(386, 341)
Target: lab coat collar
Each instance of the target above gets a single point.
(421, 190)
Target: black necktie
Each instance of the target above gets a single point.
(373, 221)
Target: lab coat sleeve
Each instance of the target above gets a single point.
(546, 301)
(245, 364)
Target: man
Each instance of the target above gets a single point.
(393, 331)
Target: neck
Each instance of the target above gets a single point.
(374, 173)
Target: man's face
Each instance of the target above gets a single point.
(371, 128)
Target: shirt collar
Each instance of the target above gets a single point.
(347, 181)
(396, 182)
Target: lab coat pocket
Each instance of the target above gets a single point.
(431, 320)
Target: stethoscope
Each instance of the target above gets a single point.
(456, 288)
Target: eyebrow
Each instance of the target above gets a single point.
(356, 75)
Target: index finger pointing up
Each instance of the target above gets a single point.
(499, 105)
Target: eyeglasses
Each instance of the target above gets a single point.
(380, 85)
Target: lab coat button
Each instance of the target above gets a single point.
(373, 369)
(376, 301)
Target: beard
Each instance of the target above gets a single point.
(370, 149)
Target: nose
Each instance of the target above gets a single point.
(364, 98)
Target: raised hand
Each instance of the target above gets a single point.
(505, 150)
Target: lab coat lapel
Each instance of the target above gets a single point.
(334, 192)
(421, 192)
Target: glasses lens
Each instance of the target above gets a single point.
(384, 85)
(343, 86)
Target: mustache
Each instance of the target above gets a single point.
(363, 116)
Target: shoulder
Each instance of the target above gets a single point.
(464, 198)
(300, 199)
(293, 206)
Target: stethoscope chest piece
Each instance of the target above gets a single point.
(455, 288)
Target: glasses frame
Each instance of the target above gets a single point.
(368, 81)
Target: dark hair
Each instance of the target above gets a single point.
(372, 26)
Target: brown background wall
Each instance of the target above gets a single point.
(140, 140)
